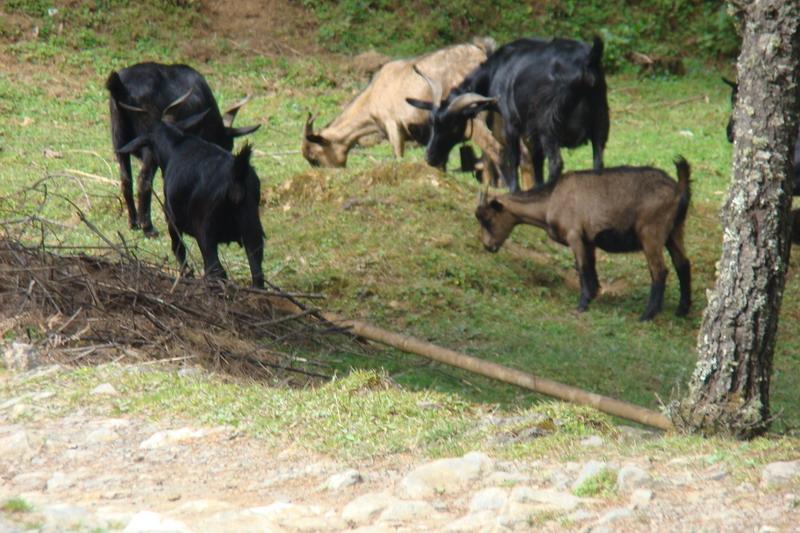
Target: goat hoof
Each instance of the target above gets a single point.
(682, 311)
(150, 232)
(646, 317)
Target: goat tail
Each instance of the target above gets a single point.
(684, 190)
(241, 169)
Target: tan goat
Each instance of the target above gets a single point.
(382, 108)
(624, 209)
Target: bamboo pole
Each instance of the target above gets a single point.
(496, 371)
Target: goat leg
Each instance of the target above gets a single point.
(179, 250)
(511, 159)
(583, 263)
(555, 165)
(658, 275)
(145, 192)
(212, 268)
(683, 269)
(254, 247)
(126, 184)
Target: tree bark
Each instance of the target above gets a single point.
(729, 389)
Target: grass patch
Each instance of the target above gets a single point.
(16, 505)
(599, 485)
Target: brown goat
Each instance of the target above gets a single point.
(382, 108)
(624, 209)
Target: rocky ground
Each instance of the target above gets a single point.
(87, 473)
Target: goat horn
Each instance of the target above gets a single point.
(171, 108)
(310, 124)
(131, 107)
(463, 101)
(230, 113)
(436, 88)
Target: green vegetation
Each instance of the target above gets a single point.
(700, 30)
(600, 484)
(16, 505)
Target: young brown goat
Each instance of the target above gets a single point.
(624, 209)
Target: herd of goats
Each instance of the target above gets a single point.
(520, 103)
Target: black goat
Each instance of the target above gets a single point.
(549, 93)
(155, 85)
(729, 132)
(624, 209)
(208, 192)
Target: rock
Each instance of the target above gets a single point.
(560, 479)
(407, 511)
(59, 481)
(19, 410)
(8, 527)
(104, 389)
(150, 522)
(348, 478)
(632, 477)
(195, 507)
(102, 434)
(589, 470)
(615, 514)
(641, 498)
(581, 515)
(491, 499)
(780, 473)
(176, 436)
(546, 499)
(507, 479)
(594, 441)
(367, 63)
(480, 521)
(15, 445)
(445, 475)
(64, 517)
(367, 507)
(191, 372)
(20, 357)
(30, 481)
(234, 521)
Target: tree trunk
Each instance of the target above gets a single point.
(729, 389)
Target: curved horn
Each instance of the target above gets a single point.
(131, 107)
(463, 101)
(310, 124)
(436, 88)
(230, 113)
(171, 108)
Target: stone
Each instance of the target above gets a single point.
(59, 481)
(195, 507)
(545, 499)
(30, 481)
(104, 389)
(101, 435)
(8, 527)
(507, 479)
(632, 477)
(15, 445)
(595, 441)
(20, 357)
(560, 479)
(150, 522)
(64, 517)
(284, 513)
(479, 521)
(367, 507)
(348, 478)
(239, 521)
(615, 514)
(490, 499)
(780, 473)
(445, 476)
(408, 511)
(176, 436)
(641, 498)
(589, 470)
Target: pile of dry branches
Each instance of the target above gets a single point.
(81, 309)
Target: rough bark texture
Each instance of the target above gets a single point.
(729, 390)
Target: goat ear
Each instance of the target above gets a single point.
(238, 132)
(497, 206)
(187, 124)
(318, 139)
(476, 107)
(420, 104)
(135, 145)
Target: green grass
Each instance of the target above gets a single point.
(601, 484)
(406, 255)
(16, 505)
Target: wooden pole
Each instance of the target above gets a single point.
(405, 343)
(496, 371)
